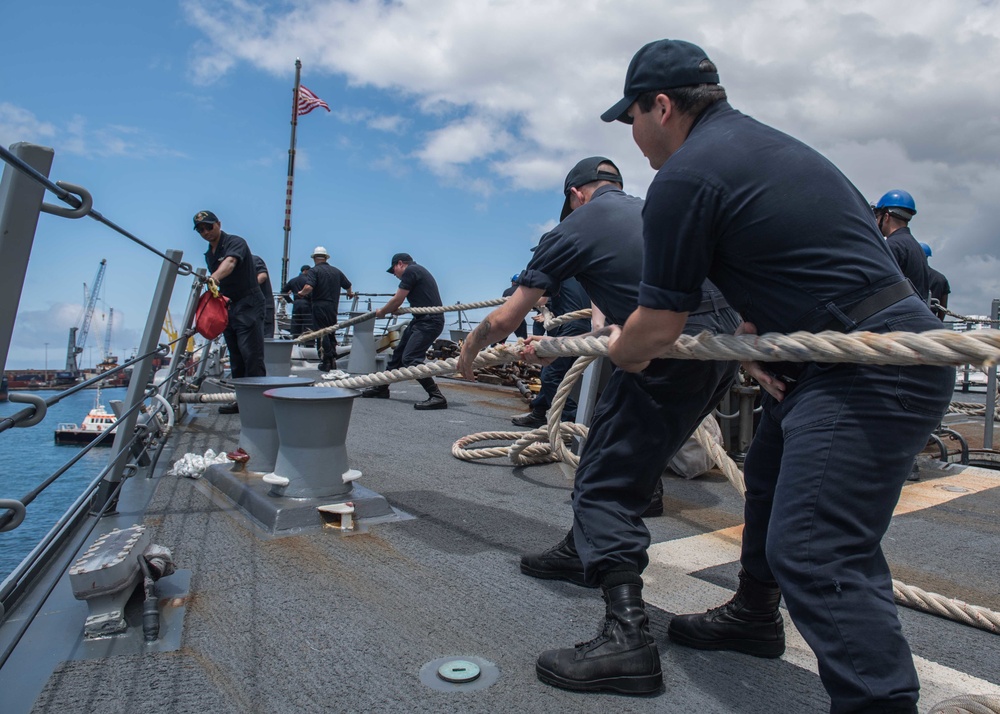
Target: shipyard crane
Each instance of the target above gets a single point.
(78, 338)
(107, 335)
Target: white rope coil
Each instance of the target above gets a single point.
(972, 409)
(935, 347)
(968, 704)
(949, 608)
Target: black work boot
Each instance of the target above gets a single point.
(560, 562)
(379, 392)
(749, 623)
(533, 419)
(435, 400)
(655, 507)
(623, 658)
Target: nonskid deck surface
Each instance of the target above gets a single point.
(325, 622)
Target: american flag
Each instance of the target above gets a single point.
(309, 101)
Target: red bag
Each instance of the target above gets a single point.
(212, 315)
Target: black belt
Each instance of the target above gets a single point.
(710, 304)
(872, 305)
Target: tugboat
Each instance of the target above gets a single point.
(94, 424)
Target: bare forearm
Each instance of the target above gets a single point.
(647, 334)
(224, 270)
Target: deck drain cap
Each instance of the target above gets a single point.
(954, 489)
(459, 671)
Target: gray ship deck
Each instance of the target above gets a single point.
(322, 621)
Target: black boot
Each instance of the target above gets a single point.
(533, 419)
(560, 562)
(435, 400)
(655, 507)
(749, 623)
(379, 392)
(623, 658)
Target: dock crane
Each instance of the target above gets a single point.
(76, 344)
(107, 335)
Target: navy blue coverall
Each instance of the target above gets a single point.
(641, 420)
(793, 245)
(244, 334)
(423, 329)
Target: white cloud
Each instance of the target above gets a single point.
(76, 137)
(36, 328)
(900, 95)
(18, 124)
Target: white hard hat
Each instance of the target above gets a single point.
(319, 250)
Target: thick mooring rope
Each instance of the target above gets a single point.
(936, 347)
(972, 409)
(307, 336)
(968, 704)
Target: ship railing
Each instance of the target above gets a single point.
(137, 443)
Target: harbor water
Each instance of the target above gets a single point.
(28, 456)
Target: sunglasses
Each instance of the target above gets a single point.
(204, 227)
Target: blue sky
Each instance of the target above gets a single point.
(452, 128)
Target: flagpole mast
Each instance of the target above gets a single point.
(291, 171)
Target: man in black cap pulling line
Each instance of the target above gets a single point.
(792, 245)
(640, 422)
(418, 287)
(231, 265)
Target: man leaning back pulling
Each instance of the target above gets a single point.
(792, 245)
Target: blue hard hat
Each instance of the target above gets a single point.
(899, 199)
(513, 278)
(927, 249)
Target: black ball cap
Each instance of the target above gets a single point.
(663, 64)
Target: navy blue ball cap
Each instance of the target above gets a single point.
(405, 257)
(586, 171)
(204, 217)
(663, 64)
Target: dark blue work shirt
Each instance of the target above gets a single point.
(571, 297)
(940, 289)
(775, 225)
(326, 282)
(293, 286)
(911, 259)
(600, 244)
(259, 267)
(243, 280)
(423, 290)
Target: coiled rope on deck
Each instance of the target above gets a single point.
(972, 409)
(968, 704)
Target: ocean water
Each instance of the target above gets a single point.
(28, 456)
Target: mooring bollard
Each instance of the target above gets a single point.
(312, 431)
(278, 357)
(258, 432)
(362, 359)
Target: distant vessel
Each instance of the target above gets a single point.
(94, 424)
(39, 379)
